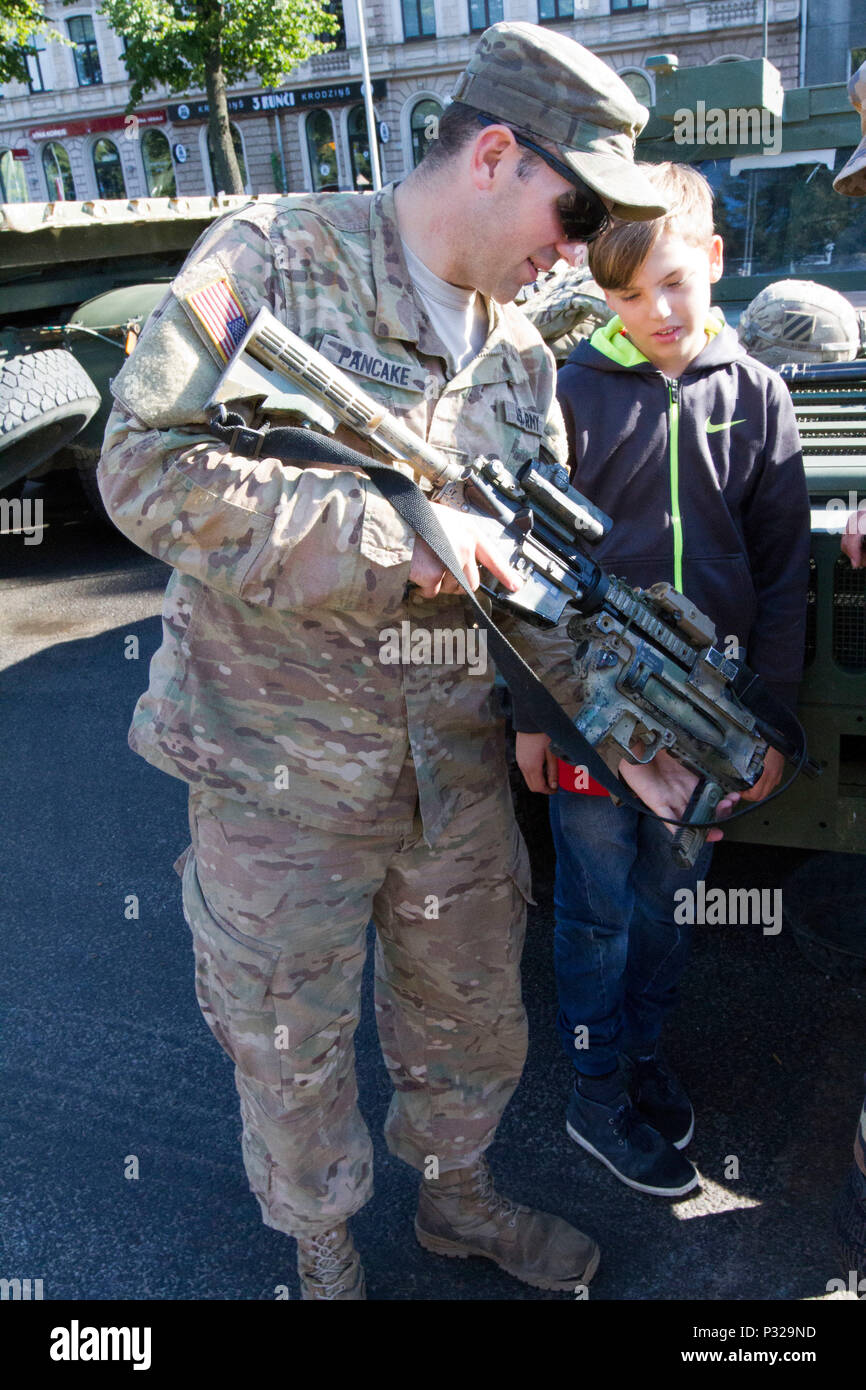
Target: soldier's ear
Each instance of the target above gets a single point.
(490, 155)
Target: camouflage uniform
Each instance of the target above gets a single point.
(568, 307)
(327, 785)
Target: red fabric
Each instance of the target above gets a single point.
(568, 777)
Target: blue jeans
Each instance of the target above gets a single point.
(619, 954)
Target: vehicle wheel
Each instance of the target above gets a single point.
(850, 1223)
(86, 461)
(46, 398)
(833, 941)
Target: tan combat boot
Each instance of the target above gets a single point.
(460, 1214)
(329, 1266)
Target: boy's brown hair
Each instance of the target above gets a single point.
(617, 255)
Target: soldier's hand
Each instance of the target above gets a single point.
(666, 787)
(774, 767)
(537, 762)
(473, 546)
(855, 535)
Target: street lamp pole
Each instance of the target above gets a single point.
(368, 100)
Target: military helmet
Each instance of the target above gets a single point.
(799, 321)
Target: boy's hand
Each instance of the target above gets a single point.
(774, 766)
(664, 785)
(855, 535)
(666, 788)
(537, 762)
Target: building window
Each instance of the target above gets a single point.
(36, 73)
(616, 5)
(58, 173)
(639, 86)
(13, 181)
(335, 8)
(239, 156)
(108, 170)
(322, 150)
(483, 13)
(555, 9)
(419, 19)
(85, 51)
(424, 125)
(158, 166)
(359, 150)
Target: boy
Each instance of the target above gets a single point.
(692, 447)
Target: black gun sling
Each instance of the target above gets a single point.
(303, 447)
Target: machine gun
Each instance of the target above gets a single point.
(647, 659)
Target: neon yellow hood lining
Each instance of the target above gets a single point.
(611, 341)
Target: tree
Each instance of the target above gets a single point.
(188, 45)
(19, 21)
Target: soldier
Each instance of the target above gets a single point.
(330, 782)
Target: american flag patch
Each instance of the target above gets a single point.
(220, 311)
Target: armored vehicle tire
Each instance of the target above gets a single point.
(832, 941)
(46, 398)
(850, 1223)
(86, 461)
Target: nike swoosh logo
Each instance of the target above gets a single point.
(725, 425)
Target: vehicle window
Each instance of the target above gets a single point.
(786, 221)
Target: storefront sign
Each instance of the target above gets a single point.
(323, 94)
(64, 129)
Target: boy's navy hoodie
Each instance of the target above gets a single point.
(704, 480)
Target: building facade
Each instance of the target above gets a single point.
(65, 135)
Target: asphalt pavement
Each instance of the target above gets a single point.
(122, 1172)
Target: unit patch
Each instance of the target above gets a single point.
(529, 420)
(357, 358)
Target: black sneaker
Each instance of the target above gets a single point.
(632, 1150)
(660, 1098)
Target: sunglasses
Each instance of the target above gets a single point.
(582, 213)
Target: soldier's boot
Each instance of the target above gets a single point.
(461, 1214)
(329, 1266)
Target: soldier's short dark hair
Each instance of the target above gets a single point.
(458, 126)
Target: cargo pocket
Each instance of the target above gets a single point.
(486, 963)
(316, 992)
(233, 975)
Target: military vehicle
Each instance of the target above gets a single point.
(771, 157)
(77, 281)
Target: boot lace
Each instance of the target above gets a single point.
(492, 1200)
(326, 1263)
(658, 1074)
(623, 1121)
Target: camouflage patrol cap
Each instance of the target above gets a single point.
(852, 178)
(799, 321)
(549, 86)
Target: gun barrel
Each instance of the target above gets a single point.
(278, 348)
